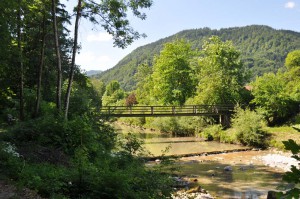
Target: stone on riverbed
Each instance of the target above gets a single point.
(228, 168)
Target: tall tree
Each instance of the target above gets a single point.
(143, 77)
(74, 51)
(58, 57)
(292, 74)
(172, 76)
(270, 96)
(20, 60)
(112, 16)
(221, 75)
(40, 66)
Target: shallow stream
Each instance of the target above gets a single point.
(248, 176)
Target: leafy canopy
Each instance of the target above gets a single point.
(220, 73)
(173, 80)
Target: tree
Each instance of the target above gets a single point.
(172, 76)
(221, 75)
(270, 96)
(248, 126)
(292, 75)
(113, 94)
(20, 60)
(58, 57)
(131, 100)
(112, 16)
(41, 59)
(293, 59)
(143, 77)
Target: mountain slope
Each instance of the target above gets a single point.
(263, 49)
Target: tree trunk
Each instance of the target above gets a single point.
(71, 73)
(40, 70)
(20, 59)
(58, 58)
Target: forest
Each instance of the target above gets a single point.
(53, 138)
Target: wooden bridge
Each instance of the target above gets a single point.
(222, 111)
(167, 111)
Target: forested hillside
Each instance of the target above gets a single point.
(263, 49)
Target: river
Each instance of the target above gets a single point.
(247, 176)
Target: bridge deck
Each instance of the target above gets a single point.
(166, 111)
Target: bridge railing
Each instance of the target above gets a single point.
(166, 110)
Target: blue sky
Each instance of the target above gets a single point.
(167, 17)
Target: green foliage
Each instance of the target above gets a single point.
(131, 145)
(179, 126)
(248, 127)
(67, 135)
(49, 180)
(172, 76)
(220, 73)
(73, 159)
(292, 176)
(112, 16)
(292, 59)
(167, 125)
(212, 132)
(229, 136)
(291, 76)
(113, 94)
(134, 121)
(271, 96)
(143, 77)
(10, 161)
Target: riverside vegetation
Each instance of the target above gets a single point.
(63, 148)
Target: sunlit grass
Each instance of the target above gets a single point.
(283, 133)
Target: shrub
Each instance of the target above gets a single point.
(47, 179)
(248, 126)
(228, 136)
(212, 132)
(10, 161)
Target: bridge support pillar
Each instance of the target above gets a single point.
(224, 120)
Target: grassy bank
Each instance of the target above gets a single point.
(283, 133)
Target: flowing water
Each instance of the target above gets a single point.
(247, 177)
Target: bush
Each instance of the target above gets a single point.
(180, 126)
(89, 169)
(47, 179)
(212, 132)
(51, 131)
(228, 136)
(248, 127)
(10, 161)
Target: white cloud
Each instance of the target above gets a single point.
(91, 61)
(101, 36)
(290, 5)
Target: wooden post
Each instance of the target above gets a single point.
(151, 110)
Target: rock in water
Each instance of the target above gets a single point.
(271, 195)
(228, 168)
